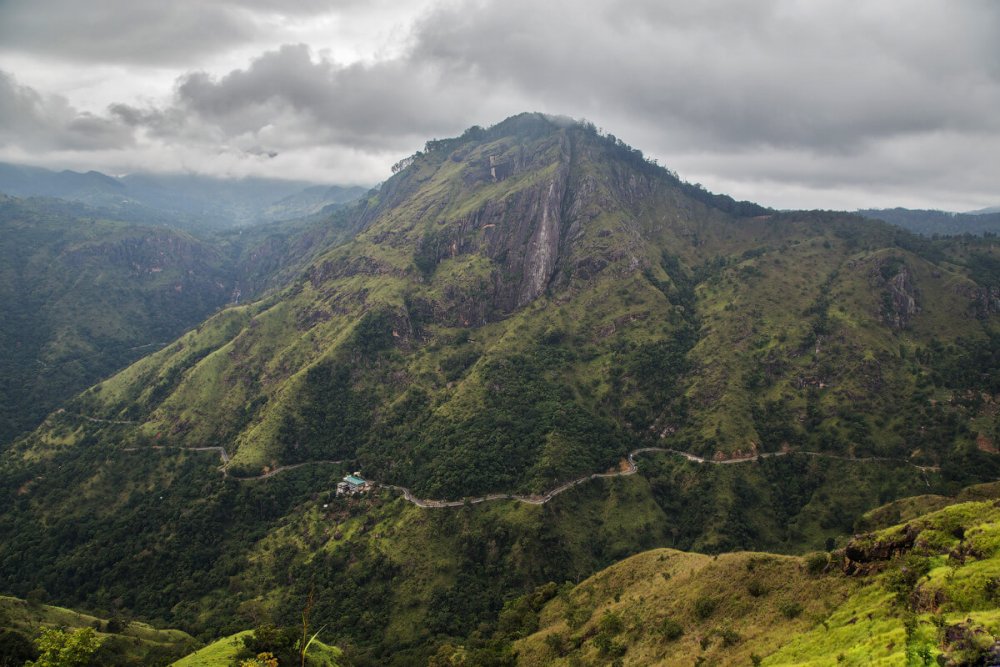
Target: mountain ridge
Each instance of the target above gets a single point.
(931, 222)
(426, 258)
(514, 308)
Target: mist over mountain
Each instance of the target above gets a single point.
(943, 223)
(194, 202)
(318, 349)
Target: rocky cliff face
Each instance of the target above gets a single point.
(904, 299)
(531, 229)
(898, 293)
(152, 251)
(542, 250)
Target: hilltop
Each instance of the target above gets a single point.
(608, 301)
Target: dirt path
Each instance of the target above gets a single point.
(61, 411)
(225, 461)
(280, 469)
(769, 455)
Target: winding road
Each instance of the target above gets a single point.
(631, 468)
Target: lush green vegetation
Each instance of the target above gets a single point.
(414, 349)
(920, 593)
(83, 296)
(507, 332)
(47, 635)
(265, 646)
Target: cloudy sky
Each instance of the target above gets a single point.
(791, 103)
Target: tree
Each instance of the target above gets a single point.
(15, 649)
(262, 660)
(58, 648)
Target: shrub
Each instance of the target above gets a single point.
(729, 636)
(671, 629)
(790, 609)
(705, 606)
(816, 562)
(610, 624)
(576, 616)
(557, 643)
(609, 646)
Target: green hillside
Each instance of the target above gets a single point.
(516, 309)
(918, 593)
(226, 652)
(84, 296)
(219, 653)
(489, 333)
(123, 641)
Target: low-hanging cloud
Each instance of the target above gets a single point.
(358, 105)
(827, 74)
(33, 121)
(802, 97)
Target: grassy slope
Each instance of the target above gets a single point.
(221, 653)
(142, 638)
(739, 605)
(217, 654)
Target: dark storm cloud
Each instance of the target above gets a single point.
(131, 31)
(315, 100)
(32, 121)
(823, 74)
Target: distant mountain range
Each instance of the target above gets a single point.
(184, 200)
(942, 223)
